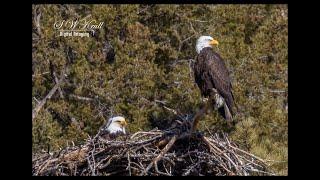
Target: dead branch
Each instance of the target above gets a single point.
(37, 14)
(203, 110)
(36, 110)
(56, 81)
(167, 108)
(165, 150)
(80, 97)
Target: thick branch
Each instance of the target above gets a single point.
(200, 114)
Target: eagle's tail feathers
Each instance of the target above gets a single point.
(225, 112)
(228, 115)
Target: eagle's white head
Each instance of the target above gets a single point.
(116, 125)
(205, 41)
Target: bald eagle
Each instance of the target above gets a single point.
(212, 77)
(114, 127)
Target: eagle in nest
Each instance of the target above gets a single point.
(212, 77)
(115, 127)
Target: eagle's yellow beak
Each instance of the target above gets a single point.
(214, 42)
(123, 123)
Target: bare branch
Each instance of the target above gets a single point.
(165, 149)
(36, 110)
(59, 88)
(80, 97)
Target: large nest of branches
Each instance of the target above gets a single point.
(175, 151)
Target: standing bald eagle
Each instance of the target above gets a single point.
(212, 77)
(114, 127)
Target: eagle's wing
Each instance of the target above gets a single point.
(197, 70)
(219, 75)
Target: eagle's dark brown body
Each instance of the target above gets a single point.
(108, 136)
(211, 72)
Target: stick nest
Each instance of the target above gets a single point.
(173, 152)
